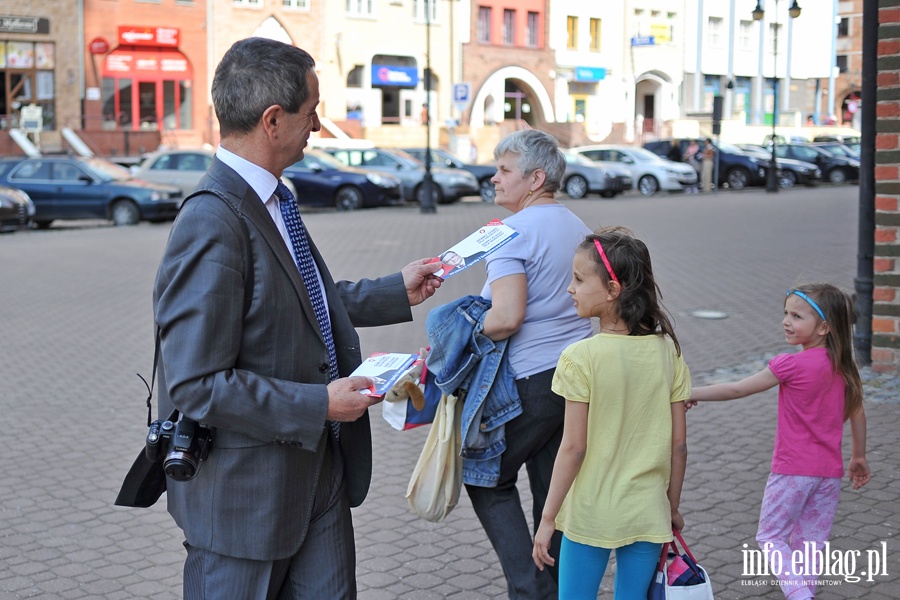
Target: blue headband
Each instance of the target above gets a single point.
(809, 300)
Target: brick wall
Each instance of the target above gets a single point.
(886, 294)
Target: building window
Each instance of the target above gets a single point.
(841, 63)
(248, 2)
(746, 35)
(640, 22)
(774, 32)
(714, 32)
(360, 7)
(484, 24)
(27, 78)
(531, 30)
(509, 27)
(301, 4)
(419, 10)
(843, 28)
(595, 35)
(355, 77)
(572, 25)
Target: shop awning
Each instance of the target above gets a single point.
(162, 63)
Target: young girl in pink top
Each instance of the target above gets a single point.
(818, 389)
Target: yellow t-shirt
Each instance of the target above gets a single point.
(619, 495)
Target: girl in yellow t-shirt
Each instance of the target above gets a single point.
(618, 474)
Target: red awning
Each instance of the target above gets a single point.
(162, 63)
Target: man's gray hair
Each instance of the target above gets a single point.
(254, 74)
(536, 150)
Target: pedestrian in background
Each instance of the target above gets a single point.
(526, 284)
(819, 388)
(690, 157)
(257, 342)
(709, 158)
(675, 152)
(619, 472)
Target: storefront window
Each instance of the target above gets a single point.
(147, 87)
(167, 101)
(122, 104)
(27, 78)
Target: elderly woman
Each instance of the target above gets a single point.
(526, 284)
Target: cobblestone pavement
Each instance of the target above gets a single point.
(76, 325)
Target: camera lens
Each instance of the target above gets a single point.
(180, 466)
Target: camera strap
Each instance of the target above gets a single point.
(248, 295)
(174, 416)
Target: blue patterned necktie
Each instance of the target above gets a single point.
(299, 240)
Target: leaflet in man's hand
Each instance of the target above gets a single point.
(386, 369)
(475, 247)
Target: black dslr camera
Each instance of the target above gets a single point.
(186, 444)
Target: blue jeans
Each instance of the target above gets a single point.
(581, 569)
(532, 439)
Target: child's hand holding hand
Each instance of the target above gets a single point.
(541, 552)
(859, 472)
(677, 520)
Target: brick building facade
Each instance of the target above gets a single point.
(38, 67)
(886, 293)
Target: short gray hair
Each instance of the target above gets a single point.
(257, 73)
(536, 150)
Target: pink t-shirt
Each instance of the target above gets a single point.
(810, 415)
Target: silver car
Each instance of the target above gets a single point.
(584, 176)
(651, 172)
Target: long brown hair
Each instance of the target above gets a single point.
(640, 301)
(840, 316)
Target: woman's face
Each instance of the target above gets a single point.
(510, 184)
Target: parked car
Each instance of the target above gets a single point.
(323, 180)
(16, 210)
(650, 172)
(841, 139)
(835, 169)
(838, 148)
(584, 176)
(74, 187)
(737, 169)
(791, 172)
(450, 184)
(442, 158)
(181, 168)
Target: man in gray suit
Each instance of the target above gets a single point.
(244, 351)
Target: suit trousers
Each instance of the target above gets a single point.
(323, 567)
(532, 439)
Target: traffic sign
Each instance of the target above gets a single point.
(462, 93)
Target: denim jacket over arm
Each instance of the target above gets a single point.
(463, 358)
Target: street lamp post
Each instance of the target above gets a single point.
(758, 14)
(426, 203)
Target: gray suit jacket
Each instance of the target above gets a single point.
(257, 373)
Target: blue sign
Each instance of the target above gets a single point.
(394, 75)
(461, 93)
(590, 73)
(643, 40)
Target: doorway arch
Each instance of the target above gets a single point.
(489, 103)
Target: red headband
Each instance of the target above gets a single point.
(605, 260)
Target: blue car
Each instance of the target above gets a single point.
(322, 180)
(72, 187)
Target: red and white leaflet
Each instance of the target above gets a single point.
(475, 247)
(385, 369)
